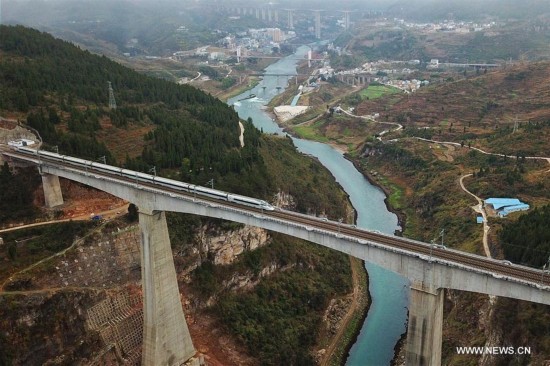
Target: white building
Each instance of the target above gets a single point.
(276, 34)
(21, 142)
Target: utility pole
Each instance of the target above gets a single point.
(112, 102)
(433, 242)
(545, 268)
(211, 182)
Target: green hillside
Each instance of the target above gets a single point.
(62, 91)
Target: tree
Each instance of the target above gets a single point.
(133, 214)
(12, 251)
(53, 116)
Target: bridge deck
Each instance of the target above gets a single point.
(419, 261)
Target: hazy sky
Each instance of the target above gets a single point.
(47, 10)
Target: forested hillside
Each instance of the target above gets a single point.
(527, 240)
(62, 90)
(67, 71)
(16, 195)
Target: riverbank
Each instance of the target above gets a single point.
(343, 149)
(337, 355)
(401, 217)
(239, 89)
(400, 356)
(399, 349)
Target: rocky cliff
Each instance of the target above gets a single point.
(223, 247)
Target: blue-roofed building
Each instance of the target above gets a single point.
(499, 203)
(503, 206)
(506, 210)
(479, 219)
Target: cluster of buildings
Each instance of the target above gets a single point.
(449, 26)
(382, 71)
(406, 85)
(255, 39)
(390, 67)
(261, 40)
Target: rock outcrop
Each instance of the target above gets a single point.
(284, 200)
(223, 247)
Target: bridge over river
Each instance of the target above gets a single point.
(430, 268)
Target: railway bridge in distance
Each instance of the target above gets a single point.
(430, 269)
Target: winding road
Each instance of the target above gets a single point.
(483, 151)
(479, 208)
(369, 118)
(108, 214)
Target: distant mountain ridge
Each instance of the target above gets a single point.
(430, 10)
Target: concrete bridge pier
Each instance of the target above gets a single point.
(52, 190)
(424, 332)
(166, 338)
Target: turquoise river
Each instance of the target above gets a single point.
(387, 315)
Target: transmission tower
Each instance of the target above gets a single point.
(112, 101)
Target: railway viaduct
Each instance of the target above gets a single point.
(429, 268)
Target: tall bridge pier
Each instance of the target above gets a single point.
(425, 328)
(290, 19)
(52, 190)
(166, 338)
(317, 24)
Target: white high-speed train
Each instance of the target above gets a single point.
(143, 177)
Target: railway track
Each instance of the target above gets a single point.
(491, 266)
(499, 267)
